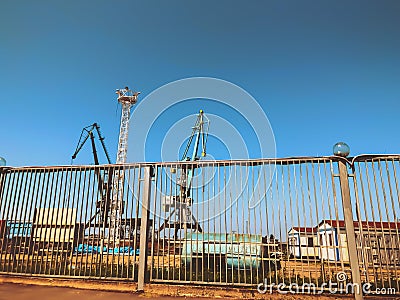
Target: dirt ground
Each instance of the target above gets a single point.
(21, 288)
(21, 292)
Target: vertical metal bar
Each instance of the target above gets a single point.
(339, 244)
(43, 190)
(28, 210)
(257, 244)
(291, 185)
(378, 223)
(161, 217)
(3, 176)
(361, 236)
(154, 210)
(243, 188)
(287, 180)
(301, 186)
(52, 208)
(130, 267)
(30, 216)
(144, 228)
(227, 224)
(366, 241)
(222, 230)
(17, 206)
(11, 190)
(386, 237)
(322, 184)
(378, 233)
(63, 251)
(55, 255)
(83, 195)
(90, 209)
(4, 191)
(94, 236)
(238, 194)
(205, 185)
(331, 197)
(66, 203)
(317, 184)
(104, 222)
(258, 247)
(281, 223)
(167, 232)
(22, 218)
(99, 199)
(74, 194)
(280, 192)
(128, 224)
(317, 208)
(397, 235)
(350, 233)
(137, 178)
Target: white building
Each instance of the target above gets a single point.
(377, 242)
(303, 242)
(332, 240)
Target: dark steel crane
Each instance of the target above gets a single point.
(104, 175)
(87, 132)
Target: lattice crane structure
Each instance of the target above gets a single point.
(127, 98)
(181, 216)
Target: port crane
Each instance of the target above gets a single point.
(104, 181)
(127, 98)
(181, 216)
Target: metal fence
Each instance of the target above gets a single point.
(269, 224)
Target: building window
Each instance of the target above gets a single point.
(310, 242)
(330, 240)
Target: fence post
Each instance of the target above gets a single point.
(3, 174)
(144, 232)
(350, 233)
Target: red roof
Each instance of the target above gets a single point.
(365, 224)
(305, 229)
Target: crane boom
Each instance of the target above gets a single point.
(200, 133)
(85, 134)
(101, 139)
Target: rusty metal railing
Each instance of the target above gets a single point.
(55, 222)
(259, 221)
(312, 223)
(377, 206)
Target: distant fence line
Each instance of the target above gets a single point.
(305, 220)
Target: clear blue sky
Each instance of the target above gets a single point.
(323, 71)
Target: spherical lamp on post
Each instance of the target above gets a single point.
(341, 149)
(2, 162)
